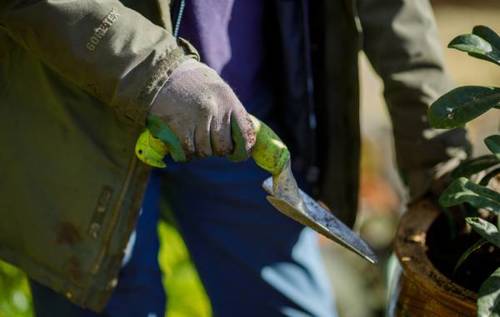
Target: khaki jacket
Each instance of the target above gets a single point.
(76, 81)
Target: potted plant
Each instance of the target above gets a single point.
(451, 259)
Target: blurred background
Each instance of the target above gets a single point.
(360, 288)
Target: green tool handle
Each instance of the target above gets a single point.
(269, 152)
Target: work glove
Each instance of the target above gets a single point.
(204, 114)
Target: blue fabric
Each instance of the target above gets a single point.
(228, 35)
(139, 292)
(252, 260)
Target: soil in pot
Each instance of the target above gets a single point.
(448, 240)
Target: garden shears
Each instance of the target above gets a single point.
(272, 155)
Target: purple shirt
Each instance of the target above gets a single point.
(229, 37)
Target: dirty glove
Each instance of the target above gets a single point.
(204, 114)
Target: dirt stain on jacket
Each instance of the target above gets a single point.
(74, 269)
(67, 234)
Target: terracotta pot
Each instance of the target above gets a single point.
(423, 290)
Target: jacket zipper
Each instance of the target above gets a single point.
(312, 172)
(177, 15)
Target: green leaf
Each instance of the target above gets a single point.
(475, 165)
(461, 105)
(482, 44)
(487, 178)
(488, 34)
(493, 144)
(473, 248)
(488, 302)
(462, 190)
(474, 45)
(485, 229)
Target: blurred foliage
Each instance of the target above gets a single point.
(15, 297)
(186, 296)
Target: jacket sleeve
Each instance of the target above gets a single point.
(107, 49)
(400, 40)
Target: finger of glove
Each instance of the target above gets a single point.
(187, 141)
(162, 131)
(220, 133)
(243, 136)
(202, 138)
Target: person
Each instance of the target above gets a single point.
(78, 79)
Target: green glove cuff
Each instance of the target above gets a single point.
(163, 132)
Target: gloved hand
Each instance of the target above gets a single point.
(204, 113)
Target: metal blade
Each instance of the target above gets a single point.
(308, 212)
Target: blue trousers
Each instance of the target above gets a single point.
(252, 260)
